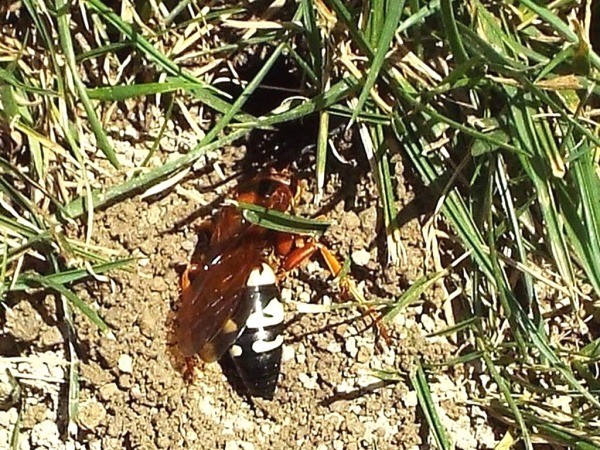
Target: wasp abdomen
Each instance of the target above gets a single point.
(257, 351)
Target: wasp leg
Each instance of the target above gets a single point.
(299, 255)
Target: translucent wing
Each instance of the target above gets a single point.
(214, 308)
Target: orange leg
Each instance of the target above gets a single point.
(297, 256)
(301, 254)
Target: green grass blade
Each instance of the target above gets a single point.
(67, 47)
(313, 36)
(392, 18)
(526, 131)
(34, 280)
(337, 92)
(504, 388)
(322, 143)
(137, 184)
(11, 80)
(72, 276)
(123, 92)
(420, 385)
(279, 221)
(558, 25)
(583, 227)
(413, 293)
(454, 38)
(241, 100)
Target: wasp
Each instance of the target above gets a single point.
(230, 299)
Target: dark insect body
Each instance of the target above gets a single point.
(230, 300)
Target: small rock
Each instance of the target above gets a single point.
(304, 297)
(350, 346)
(334, 347)
(147, 323)
(427, 323)
(239, 445)
(191, 435)
(108, 391)
(367, 380)
(125, 364)
(410, 399)
(361, 257)
(351, 220)
(363, 355)
(8, 418)
(34, 415)
(286, 295)
(114, 318)
(308, 382)
(159, 284)
(51, 337)
(45, 435)
(125, 381)
(93, 373)
(153, 215)
(368, 218)
(91, 414)
(108, 353)
(287, 353)
(115, 427)
(341, 331)
(24, 442)
(136, 393)
(4, 437)
(94, 445)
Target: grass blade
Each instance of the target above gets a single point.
(72, 276)
(420, 385)
(34, 280)
(67, 47)
(392, 18)
(278, 221)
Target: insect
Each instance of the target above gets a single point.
(230, 299)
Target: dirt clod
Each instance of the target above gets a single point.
(91, 414)
(23, 322)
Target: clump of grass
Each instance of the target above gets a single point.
(490, 102)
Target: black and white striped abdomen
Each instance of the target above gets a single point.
(257, 351)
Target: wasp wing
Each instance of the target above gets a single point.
(214, 308)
